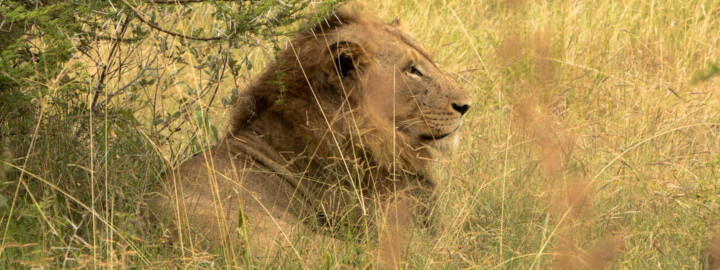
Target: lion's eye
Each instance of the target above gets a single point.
(415, 71)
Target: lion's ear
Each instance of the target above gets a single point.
(348, 60)
(396, 22)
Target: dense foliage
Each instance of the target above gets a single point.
(87, 109)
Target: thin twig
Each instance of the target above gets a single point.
(142, 18)
(100, 86)
(178, 1)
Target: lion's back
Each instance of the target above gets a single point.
(217, 195)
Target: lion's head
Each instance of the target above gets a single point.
(359, 78)
(344, 119)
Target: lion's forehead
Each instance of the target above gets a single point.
(383, 40)
(393, 48)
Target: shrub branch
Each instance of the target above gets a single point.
(146, 21)
(178, 1)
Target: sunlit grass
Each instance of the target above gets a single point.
(600, 95)
(590, 143)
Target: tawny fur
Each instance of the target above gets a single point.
(363, 106)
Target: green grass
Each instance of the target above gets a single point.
(593, 141)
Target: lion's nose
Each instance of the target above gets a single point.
(461, 108)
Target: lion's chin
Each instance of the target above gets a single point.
(451, 136)
(446, 143)
(435, 138)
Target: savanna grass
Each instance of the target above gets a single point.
(593, 142)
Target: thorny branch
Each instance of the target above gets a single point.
(156, 27)
(178, 1)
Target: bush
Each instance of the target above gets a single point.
(92, 95)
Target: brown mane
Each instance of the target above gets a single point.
(308, 90)
(261, 95)
(315, 137)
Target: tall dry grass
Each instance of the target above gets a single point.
(591, 143)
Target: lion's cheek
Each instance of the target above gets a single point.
(379, 97)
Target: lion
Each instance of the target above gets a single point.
(347, 120)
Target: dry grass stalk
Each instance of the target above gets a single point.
(394, 234)
(534, 113)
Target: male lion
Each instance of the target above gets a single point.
(340, 125)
